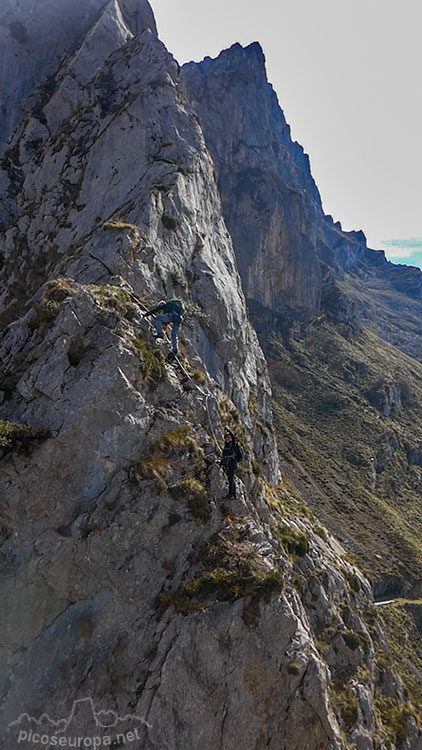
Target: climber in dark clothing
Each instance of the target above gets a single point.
(171, 313)
(232, 454)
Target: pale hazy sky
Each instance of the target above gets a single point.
(347, 74)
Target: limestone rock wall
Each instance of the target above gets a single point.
(37, 35)
(273, 211)
(270, 200)
(125, 575)
(128, 584)
(124, 146)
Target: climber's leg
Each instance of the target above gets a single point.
(159, 321)
(174, 337)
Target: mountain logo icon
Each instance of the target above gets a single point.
(80, 726)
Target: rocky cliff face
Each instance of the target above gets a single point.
(34, 43)
(112, 148)
(269, 198)
(125, 576)
(293, 259)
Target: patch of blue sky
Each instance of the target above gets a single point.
(415, 259)
(407, 251)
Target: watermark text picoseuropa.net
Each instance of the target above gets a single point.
(119, 739)
(85, 727)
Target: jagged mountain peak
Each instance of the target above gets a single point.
(249, 64)
(264, 179)
(36, 36)
(140, 14)
(252, 53)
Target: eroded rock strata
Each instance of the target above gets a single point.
(130, 587)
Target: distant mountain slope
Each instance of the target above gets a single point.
(293, 260)
(348, 420)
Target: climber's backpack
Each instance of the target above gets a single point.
(175, 305)
(238, 451)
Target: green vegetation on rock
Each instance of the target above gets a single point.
(393, 715)
(170, 222)
(47, 310)
(232, 569)
(405, 653)
(352, 456)
(178, 440)
(195, 495)
(295, 542)
(346, 705)
(114, 298)
(227, 585)
(153, 466)
(153, 360)
(20, 437)
(12, 434)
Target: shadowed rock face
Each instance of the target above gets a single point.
(270, 201)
